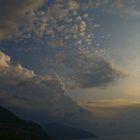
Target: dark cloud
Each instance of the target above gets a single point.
(22, 91)
(94, 71)
(64, 32)
(99, 74)
(20, 82)
(14, 13)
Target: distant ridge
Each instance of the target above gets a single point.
(64, 132)
(14, 128)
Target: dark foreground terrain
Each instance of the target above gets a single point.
(14, 128)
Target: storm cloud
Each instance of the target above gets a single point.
(96, 74)
(91, 70)
(36, 97)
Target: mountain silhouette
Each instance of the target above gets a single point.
(63, 132)
(14, 128)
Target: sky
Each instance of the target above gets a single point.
(74, 61)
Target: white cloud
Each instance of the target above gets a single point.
(4, 60)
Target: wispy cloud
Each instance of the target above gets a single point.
(111, 109)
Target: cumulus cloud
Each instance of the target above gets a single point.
(73, 5)
(63, 21)
(69, 25)
(8, 69)
(25, 17)
(4, 60)
(22, 90)
(15, 13)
